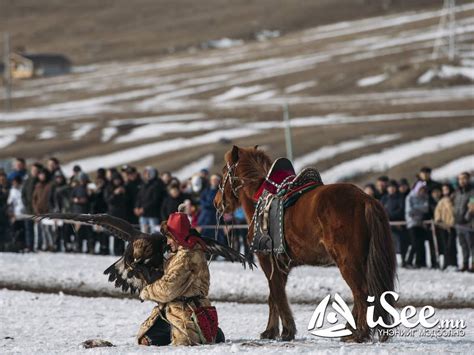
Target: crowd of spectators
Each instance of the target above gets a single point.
(146, 198)
(449, 206)
(142, 198)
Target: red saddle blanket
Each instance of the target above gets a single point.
(277, 178)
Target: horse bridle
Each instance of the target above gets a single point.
(230, 177)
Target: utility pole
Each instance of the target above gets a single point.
(446, 32)
(288, 141)
(7, 71)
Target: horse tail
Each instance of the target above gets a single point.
(381, 260)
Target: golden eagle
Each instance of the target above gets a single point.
(143, 259)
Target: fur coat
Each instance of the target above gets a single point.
(186, 274)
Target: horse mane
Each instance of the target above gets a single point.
(253, 166)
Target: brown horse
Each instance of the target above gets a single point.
(335, 223)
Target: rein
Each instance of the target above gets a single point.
(230, 177)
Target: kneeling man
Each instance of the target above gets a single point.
(184, 315)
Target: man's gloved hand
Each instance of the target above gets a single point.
(144, 294)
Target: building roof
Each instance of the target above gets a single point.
(47, 58)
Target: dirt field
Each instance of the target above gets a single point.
(90, 31)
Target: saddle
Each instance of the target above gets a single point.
(280, 190)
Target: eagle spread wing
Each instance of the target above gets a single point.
(143, 260)
(115, 226)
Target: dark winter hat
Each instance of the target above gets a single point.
(76, 168)
(83, 177)
(152, 172)
(404, 181)
(383, 178)
(131, 170)
(101, 172)
(393, 183)
(116, 176)
(45, 172)
(425, 169)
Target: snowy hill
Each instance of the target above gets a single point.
(360, 92)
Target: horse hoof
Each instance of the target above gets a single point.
(269, 334)
(287, 335)
(355, 338)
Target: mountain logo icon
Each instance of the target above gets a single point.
(337, 330)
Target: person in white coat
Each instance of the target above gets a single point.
(17, 209)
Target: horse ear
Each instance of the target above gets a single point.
(255, 147)
(235, 154)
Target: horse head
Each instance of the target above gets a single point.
(243, 173)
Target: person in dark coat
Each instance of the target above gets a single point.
(404, 187)
(40, 204)
(4, 223)
(27, 197)
(133, 184)
(425, 176)
(207, 215)
(394, 204)
(381, 187)
(462, 197)
(171, 202)
(19, 169)
(117, 201)
(149, 200)
(99, 205)
(60, 202)
(81, 203)
(53, 165)
(416, 207)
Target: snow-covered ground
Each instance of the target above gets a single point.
(82, 274)
(56, 323)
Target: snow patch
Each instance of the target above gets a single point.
(347, 146)
(266, 34)
(159, 148)
(223, 43)
(154, 130)
(82, 130)
(157, 119)
(206, 162)
(447, 72)
(237, 91)
(393, 156)
(47, 133)
(108, 133)
(453, 168)
(300, 86)
(9, 135)
(372, 80)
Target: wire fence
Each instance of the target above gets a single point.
(59, 222)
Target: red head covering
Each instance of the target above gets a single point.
(180, 228)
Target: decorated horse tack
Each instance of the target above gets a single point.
(280, 190)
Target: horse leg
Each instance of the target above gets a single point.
(278, 284)
(355, 277)
(273, 326)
